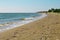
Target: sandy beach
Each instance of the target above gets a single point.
(47, 28)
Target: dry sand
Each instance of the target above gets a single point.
(47, 28)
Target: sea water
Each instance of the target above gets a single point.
(9, 17)
(12, 20)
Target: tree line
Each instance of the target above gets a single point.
(54, 10)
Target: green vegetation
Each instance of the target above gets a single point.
(54, 10)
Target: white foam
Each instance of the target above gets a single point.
(18, 24)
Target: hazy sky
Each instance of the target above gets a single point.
(27, 5)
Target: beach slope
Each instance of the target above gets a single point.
(47, 28)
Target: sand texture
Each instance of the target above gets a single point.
(47, 28)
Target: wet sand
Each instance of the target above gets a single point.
(47, 28)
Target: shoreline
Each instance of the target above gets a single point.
(47, 28)
(24, 22)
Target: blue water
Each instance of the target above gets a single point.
(9, 17)
(13, 20)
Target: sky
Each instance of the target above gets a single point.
(28, 5)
